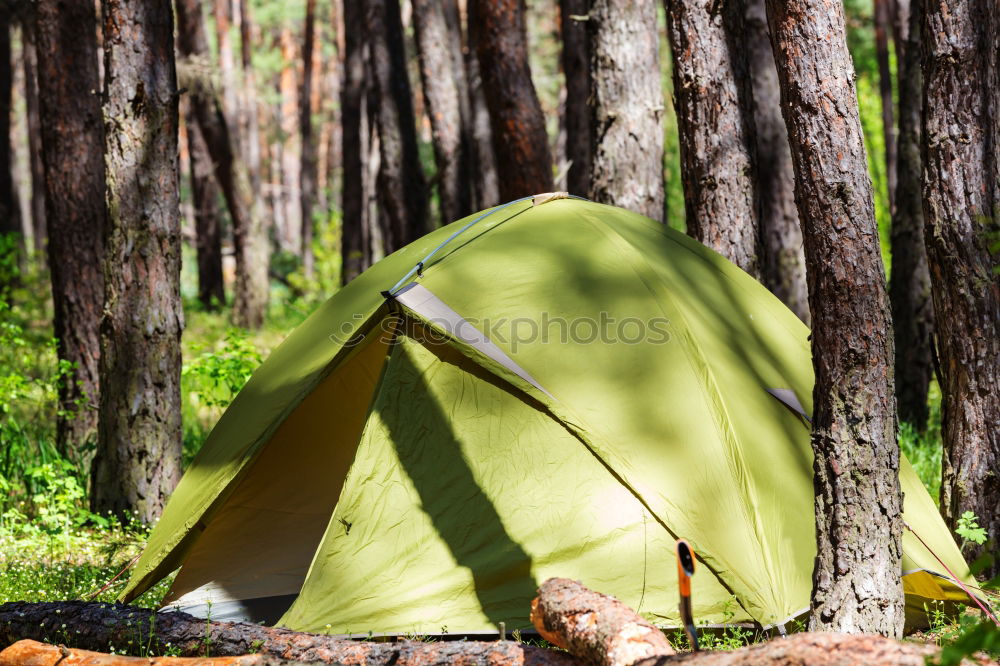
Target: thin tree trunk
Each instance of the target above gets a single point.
(34, 127)
(401, 186)
(333, 163)
(290, 238)
(249, 234)
(10, 207)
(224, 15)
(308, 168)
(444, 88)
(960, 214)
(207, 222)
(484, 166)
(715, 123)
(138, 458)
(576, 69)
(520, 144)
(72, 137)
(856, 583)
(910, 285)
(883, 24)
(783, 262)
(249, 125)
(354, 242)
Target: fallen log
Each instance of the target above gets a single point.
(593, 626)
(817, 649)
(33, 653)
(602, 631)
(99, 627)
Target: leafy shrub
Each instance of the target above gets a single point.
(211, 380)
(968, 528)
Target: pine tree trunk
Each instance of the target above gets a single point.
(883, 24)
(249, 235)
(484, 165)
(331, 164)
(138, 458)
(308, 168)
(444, 89)
(30, 60)
(354, 242)
(207, 223)
(715, 123)
(627, 110)
(290, 239)
(783, 263)
(960, 215)
(520, 144)
(402, 191)
(910, 286)
(576, 68)
(223, 10)
(249, 126)
(72, 137)
(10, 207)
(856, 582)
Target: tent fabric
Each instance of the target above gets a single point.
(565, 390)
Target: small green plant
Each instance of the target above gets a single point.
(968, 528)
(972, 636)
(731, 637)
(216, 376)
(207, 640)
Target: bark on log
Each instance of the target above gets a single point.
(33, 653)
(595, 627)
(96, 626)
(814, 649)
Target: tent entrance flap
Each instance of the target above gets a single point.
(260, 542)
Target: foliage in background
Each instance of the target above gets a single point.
(923, 450)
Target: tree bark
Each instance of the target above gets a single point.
(96, 626)
(402, 191)
(714, 119)
(207, 222)
(626, 123)
(249, 234)
(249, 126)
(33, 653)
(783, 263)
(10, 207)
(910, 284)
(355, 246)
(30, 60)
(487, 186)
(883, 25)
(290, 236)
(960, 215)
(138, 457)
(308, 168)
(72, 137)
(856, 583)
(444, 89)
(224, 15)
(595, 627)
(520, 144)
(576, 68)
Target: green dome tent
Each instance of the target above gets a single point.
(551, 388)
